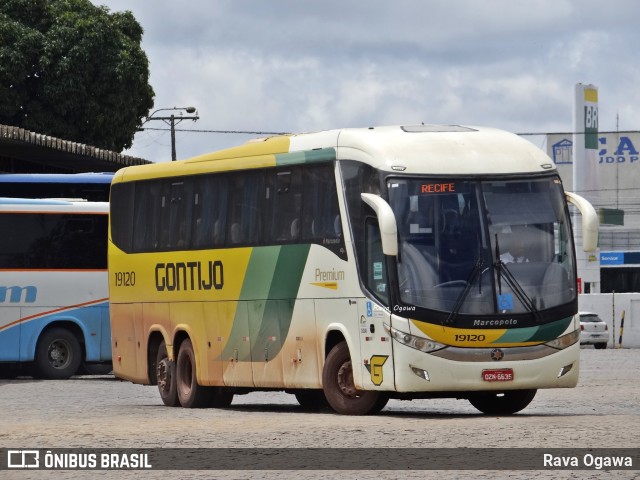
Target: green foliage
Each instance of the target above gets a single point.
(73, 70)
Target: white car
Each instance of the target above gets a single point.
(593, 330)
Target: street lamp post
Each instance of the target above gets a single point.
(172, 120)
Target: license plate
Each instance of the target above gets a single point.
(501, 375)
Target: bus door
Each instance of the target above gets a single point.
(375, 342)
(375, 346)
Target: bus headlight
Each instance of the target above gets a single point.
(565, 340)
(419, 343)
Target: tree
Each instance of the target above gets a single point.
(73, 70)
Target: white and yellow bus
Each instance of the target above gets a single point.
(348, 266)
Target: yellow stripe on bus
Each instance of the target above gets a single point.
(466, 337)
(331, 285)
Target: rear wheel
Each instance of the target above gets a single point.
(600, 346)
(165, 377)
(190, 394)
(339, 388)
(58, 354)
(502, 403)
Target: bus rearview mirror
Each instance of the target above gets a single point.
(386, 222)
(590, 222)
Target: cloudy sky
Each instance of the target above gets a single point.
(297, 66)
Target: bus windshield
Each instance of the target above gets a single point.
(483, 247)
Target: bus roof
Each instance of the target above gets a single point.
(86, 177)
(419, 149)
(51, 204)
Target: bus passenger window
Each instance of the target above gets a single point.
(210, 211)
(320, 206)
(146, 224)
(179, 210)
(244, 208)
(283, 195)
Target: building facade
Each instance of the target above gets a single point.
(616, 197)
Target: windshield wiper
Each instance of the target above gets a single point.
(475, 271)
(504, 272)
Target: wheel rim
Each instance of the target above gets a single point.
(59, 354)
(345, 380)
(164, 375)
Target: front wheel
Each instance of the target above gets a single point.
(339, 388)
(190, 393)
(502, 403)
(58, 354)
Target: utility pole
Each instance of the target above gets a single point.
(172, 121)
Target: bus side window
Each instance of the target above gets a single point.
(210, 211)
(147, 216)
(122, 201)
(244, 221)
(376, 270)
(179, 210)
(283, 197)
(321, 221)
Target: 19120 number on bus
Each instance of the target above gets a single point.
(125, 279)
(470, 338)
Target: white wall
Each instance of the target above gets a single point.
(610, 307)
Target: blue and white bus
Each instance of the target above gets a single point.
(93, 187)
(54, 308)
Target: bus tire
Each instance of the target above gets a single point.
(502, 403)
(165, 377)
(58, 354)
(339, 389)
(190, 394)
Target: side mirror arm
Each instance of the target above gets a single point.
(386, 222)
(590, 221)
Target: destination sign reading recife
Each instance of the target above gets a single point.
(438, 187)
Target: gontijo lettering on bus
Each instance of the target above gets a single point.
(189, 276)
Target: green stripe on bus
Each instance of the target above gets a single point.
(542, 333)
(259, 274)
(288, 272)
(307, 156)
(278, 310)
(271, 285)
(551, 331)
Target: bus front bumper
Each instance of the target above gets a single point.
(442, 371)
